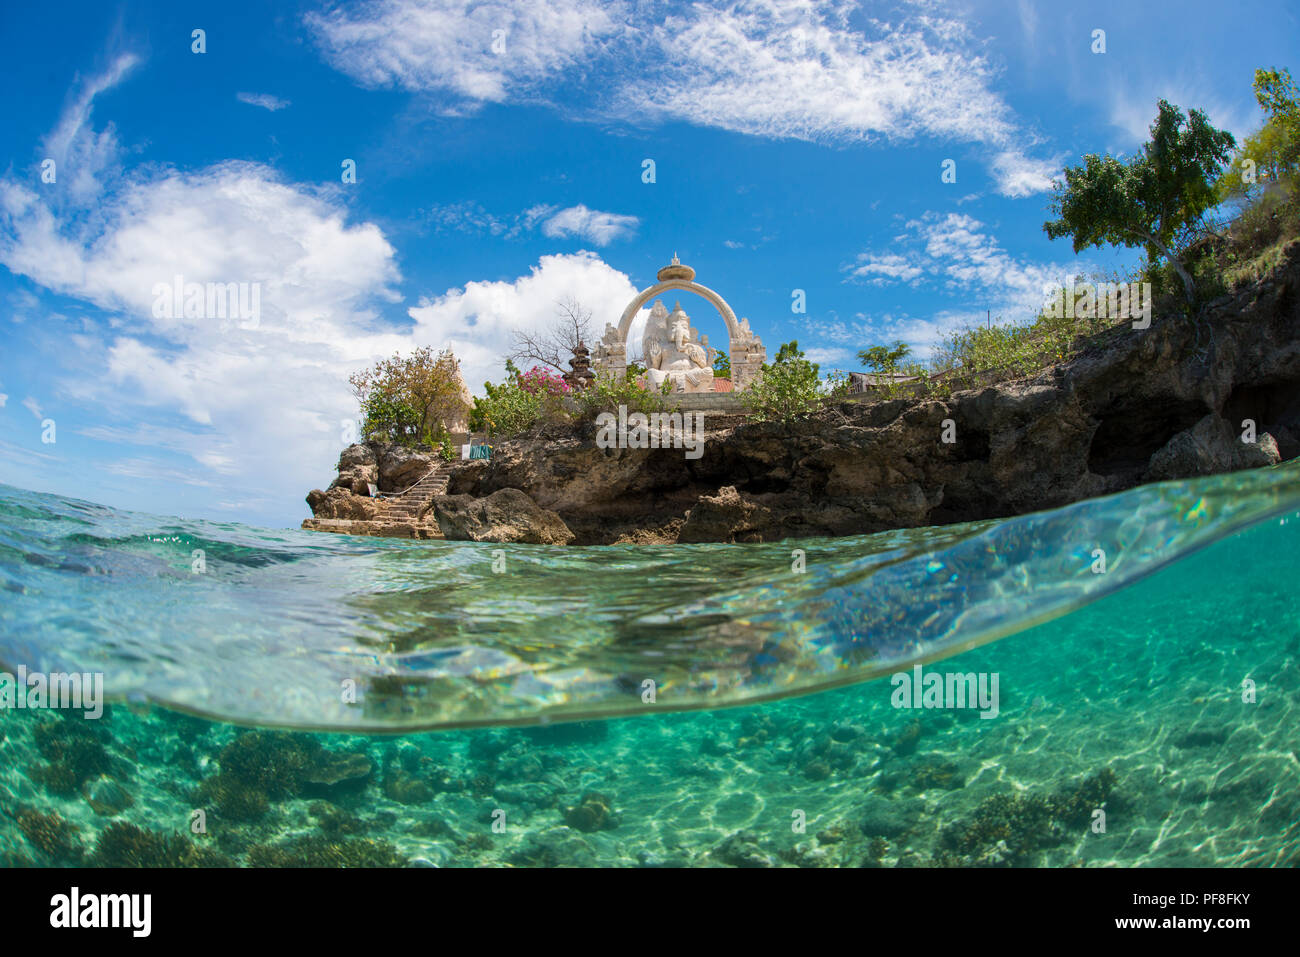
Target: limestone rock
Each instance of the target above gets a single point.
(725, 517)
(1209, 447)
(507, 515)
(358, 469)
(341, 503)
(1139, 405)
(400, 467)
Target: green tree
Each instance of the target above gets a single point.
(1275, 147)
(722, 366)
(508, 408)
(884, 359)
(411, 398)
(1150, 199)
(787, 389)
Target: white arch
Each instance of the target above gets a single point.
(718, 303)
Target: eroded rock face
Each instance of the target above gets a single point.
(1165, 402)
(400, 467)
(358, 469)
(725, 517)
(341, 503)
(1209, 447)
(507, 515)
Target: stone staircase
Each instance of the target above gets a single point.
(406, 507)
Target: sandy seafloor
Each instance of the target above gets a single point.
(1132, 706)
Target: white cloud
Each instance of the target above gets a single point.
(476, 320)
(877, 269)
(1018, 175)
(591, 224)
(803, 69)
(32, 406)
(4, 398)
(81, 155)
(265, 100)
(479, 51)
(795, 69)
(259, 411)
(267, 401)
(954, 253)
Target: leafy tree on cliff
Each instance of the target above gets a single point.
(1149, 200)
(1274, 149)
(787, 389)
(411, 398)
(884, 359)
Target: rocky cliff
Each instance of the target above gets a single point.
(1161, 403)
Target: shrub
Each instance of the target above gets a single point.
(606, 394)
(785, 390)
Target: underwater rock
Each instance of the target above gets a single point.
(331, 771)
(406, 788)
(924, 772)
(555, 847)
(882, 817)
(741, 850)
(593, 813)
(1201, 738)
(715, 746)
(488, 745)
(334, 821)
(105, 796)
(905, 741)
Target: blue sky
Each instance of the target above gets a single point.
(499, 150)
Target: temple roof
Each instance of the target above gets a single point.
(675, 270)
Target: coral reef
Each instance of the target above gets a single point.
(126, 845)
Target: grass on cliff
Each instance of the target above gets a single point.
(1221, 258)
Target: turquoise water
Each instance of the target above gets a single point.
(1146, 714)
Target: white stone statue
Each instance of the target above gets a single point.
(674, 352)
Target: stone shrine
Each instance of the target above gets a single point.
(682, 356)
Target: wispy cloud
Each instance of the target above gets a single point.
(34, 407)
(955, 255)
(593, 225)
(472, 50)
(814, 70)
(265, 100)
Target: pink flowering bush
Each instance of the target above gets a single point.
(539, 381)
